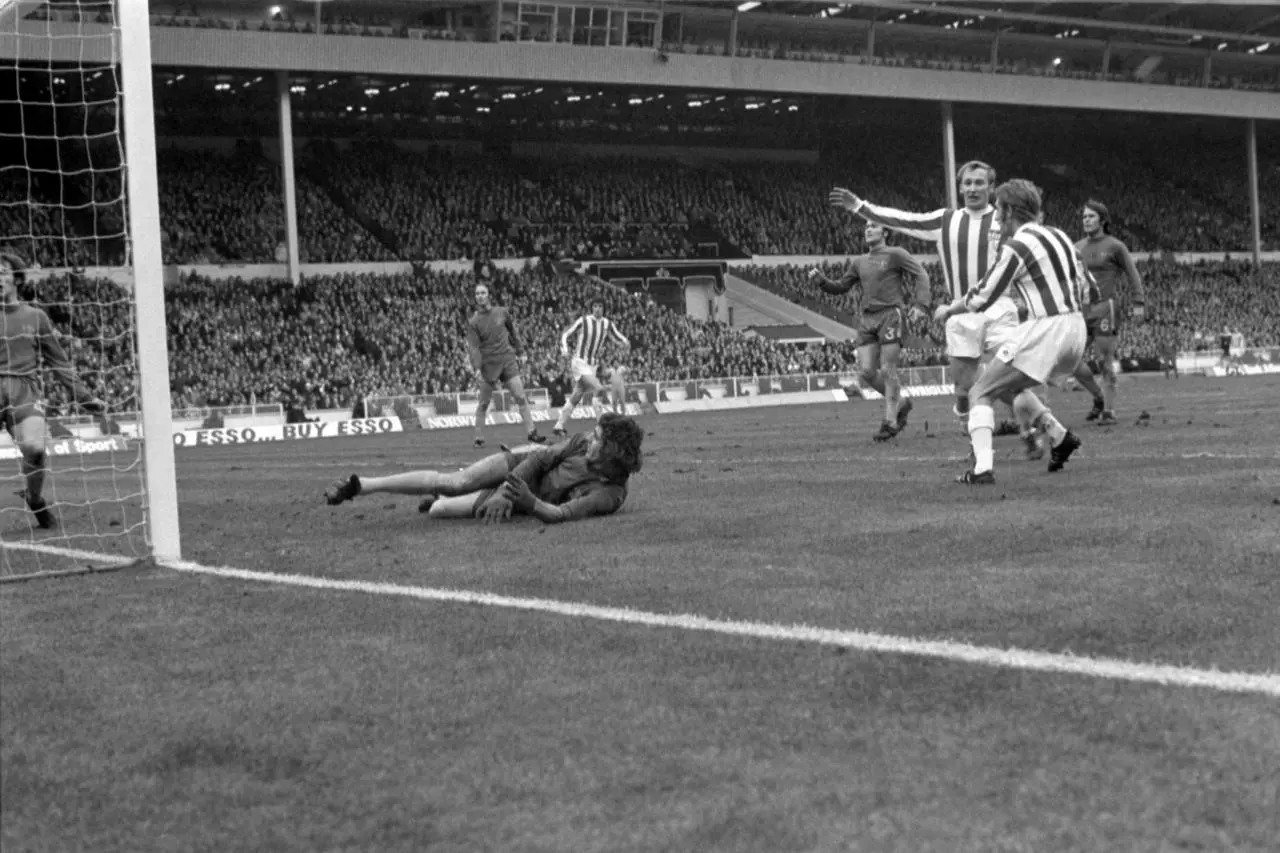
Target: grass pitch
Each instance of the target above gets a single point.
(157, 710)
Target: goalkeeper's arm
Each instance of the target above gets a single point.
(60, 365)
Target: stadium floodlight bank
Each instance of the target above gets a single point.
(78, 190)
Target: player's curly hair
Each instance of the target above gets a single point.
(620, 453)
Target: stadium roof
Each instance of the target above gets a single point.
(1252, 22)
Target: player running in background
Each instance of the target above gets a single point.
(496, 355)
(968, 242)
(890, 279)
(28, 342)
(579, 478)
(1108, 261)
(592, 330)
(1041, 264)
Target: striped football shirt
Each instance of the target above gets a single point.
(592, 332)
(968, 241)
(1041, 265)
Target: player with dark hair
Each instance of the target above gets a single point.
(1108, 261)
(28, 341)
(1046, 270)
(579, 478)
(592, 330)
(496, 355)
(889, 278)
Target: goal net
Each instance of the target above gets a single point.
(75, 489)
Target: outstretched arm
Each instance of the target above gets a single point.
(922, 226)
(846, 283)
(617, 335)
(997, 280)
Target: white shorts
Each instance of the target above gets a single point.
(580, 370)
(972, 335)
(1046, 347)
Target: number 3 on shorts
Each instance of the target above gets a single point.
(892, 330)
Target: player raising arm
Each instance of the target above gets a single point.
(968, 241)
(28, 341)
(584, 476)
(591, 330)
(496, 355)
(1109, 262)
(889, 278)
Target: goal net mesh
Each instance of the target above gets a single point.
(63, 213)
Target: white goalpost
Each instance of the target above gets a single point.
(79, 209)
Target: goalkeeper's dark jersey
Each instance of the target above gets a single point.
(561, 476)
(28, 341)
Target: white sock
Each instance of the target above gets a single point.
(1052, 428)
(982, 423)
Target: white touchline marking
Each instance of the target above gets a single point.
(872, 457)
(1174, 676)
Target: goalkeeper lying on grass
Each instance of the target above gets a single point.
(584, 476)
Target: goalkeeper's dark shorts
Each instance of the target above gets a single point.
(20, 399)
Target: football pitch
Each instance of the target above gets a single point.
(790, 639)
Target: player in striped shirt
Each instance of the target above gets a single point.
(1109, 262)
(890, 279)
(28, 342)
(1041, 266)
(968, 242)
(592, 330)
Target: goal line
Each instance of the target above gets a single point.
(1265, 683)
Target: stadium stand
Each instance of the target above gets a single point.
(377, 201)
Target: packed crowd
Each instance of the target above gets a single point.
(335, 339)
(1190, 304)
(379, 201)
(229, 208)
(451, 205)
(37, 226)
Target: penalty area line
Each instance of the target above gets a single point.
(1061, 664)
